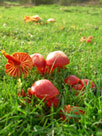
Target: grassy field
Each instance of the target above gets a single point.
(72, 23)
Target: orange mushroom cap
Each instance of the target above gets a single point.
(18, 64)
(56, 59)
(44, 89)
(28, 19)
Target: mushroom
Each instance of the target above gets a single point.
(56, 59)
(51, 20)
(72, 80)
(78, 88)
(21, 93)
(27, 19)
(39, 62)
(74, 110)
(36, 18)
(44, 89)
(85, 82)
(83, 39)
(53, 101)
(19, 64)
(90, 37)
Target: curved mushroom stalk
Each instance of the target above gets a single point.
(18, 64)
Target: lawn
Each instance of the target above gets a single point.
(20, 118)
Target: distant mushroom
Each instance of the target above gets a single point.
(44, 89)
(39, 62)
(72, 80)
(56, 59)
(83, 39)
(90, 37)
(19, 64)
(27, 19)
(51, 20)
(36, 18)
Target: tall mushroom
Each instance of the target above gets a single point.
(44, 89)
(39, 62)
(19, 64)
(56, 59)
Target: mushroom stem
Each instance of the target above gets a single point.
(17, 62)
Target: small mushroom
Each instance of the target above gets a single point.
(19, 64)
(72, 80)
(39, 62)
(56, 59)
(21, 93)
(51, 20)
(90, 37)
(83, 39)
(44, 89)
(78, 88)
(74, 110)
(85, 82)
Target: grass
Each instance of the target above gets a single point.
(19, 118)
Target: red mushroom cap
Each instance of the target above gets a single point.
(44, 89)
(90, 37)
(57, 59)
(86, 82)
(72, 80)
(38, 61)
(77, 87)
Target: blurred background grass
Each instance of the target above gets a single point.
(60, 2)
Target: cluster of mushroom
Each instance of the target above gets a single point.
(37, 19)
(87, 40)
(78, 84)
(21, 63)
(56, 59)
